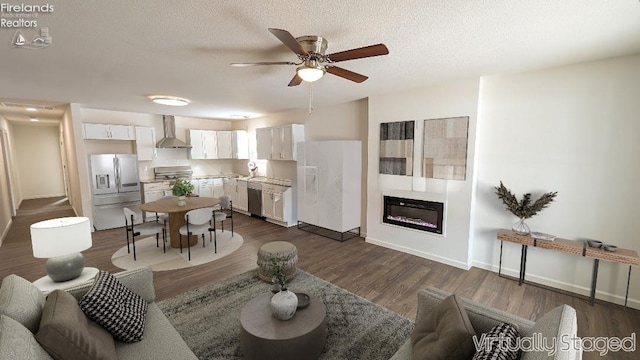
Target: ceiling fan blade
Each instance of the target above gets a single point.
(297, 80)
(359, 53)
(347, 74)
(263, 63)
(289, 40)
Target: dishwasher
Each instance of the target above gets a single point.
(254, 198)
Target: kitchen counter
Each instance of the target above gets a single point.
(266, 180)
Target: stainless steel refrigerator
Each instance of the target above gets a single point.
(115, 185)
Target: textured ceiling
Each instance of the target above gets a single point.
(111, 54)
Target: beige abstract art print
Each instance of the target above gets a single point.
(445, 148)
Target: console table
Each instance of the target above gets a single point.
(579, 248)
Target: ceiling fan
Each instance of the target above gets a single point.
(313, 61)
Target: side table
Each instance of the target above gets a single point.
(264, 337)
(46, 285)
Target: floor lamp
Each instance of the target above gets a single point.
(60, 241)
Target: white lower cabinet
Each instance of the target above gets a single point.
(237, 190)
(277, 203)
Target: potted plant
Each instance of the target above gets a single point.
(181, 189)
(523, 209)
(284, 302)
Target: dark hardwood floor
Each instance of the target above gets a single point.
(383, 276)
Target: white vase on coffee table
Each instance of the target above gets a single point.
(284, 304)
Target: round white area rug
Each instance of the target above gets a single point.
(147, 254)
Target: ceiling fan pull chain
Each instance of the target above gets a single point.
(310, 98)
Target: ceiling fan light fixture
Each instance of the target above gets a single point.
(169, 100)
(310, 74)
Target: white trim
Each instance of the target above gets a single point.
(6, 231)
(440, 259)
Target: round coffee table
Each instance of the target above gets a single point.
(262, 336)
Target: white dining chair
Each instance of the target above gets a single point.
(136, 228)
(198, 223)
(225, 212)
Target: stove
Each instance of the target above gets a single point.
(172, 172)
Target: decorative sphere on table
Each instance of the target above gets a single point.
(284, 304)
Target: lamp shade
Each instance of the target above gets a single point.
(62, 236)
(310, 74)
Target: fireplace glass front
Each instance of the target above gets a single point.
(415, 214)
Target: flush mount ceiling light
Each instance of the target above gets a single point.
(31, 109)
(310, 71)
(169, 100)
(34, 119)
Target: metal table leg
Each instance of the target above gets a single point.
(523, 263)
(626, 295)
(500, 265)
(594, 280)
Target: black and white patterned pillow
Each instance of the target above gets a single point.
(118, 309)
(500, 343)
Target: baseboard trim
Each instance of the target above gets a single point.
(5, 231)
(422, 254)
(561, 285)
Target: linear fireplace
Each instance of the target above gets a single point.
(415, 214)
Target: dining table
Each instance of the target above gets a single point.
(177, 214)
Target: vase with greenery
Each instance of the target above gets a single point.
(181, 189)
(284, 302)
(525, 208)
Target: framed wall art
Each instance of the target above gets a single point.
(396, 148)
(445, 148)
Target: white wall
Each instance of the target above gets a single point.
(449, 100)
(38, 161)
(6, 208)
(573, 130)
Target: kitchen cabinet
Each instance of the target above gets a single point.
(263, 143)
(205, 187)
(108, 132)
(242, 199)
(225, 145)
(146, 143)
(217, 187)
(277, 203)
(204, 144)
(240, 144)
(279, 143)
(237, 190)
(155, 191)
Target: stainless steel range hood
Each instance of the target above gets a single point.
(170, 140)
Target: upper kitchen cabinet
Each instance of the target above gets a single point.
(240, 144)
(279, 143)
(225, 144)
(146, 143)
(108, 132)
(204, 144)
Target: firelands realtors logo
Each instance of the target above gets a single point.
(24, 17)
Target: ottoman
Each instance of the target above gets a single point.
(277, 249)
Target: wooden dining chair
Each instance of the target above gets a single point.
(198, 223)
(136, 228)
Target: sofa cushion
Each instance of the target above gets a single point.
(500, 343)
(444, 333)
(17, 342)
(554, 325)
(118, 309)
(66, 333)
(22, 301)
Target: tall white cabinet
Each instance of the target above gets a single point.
(329, 184)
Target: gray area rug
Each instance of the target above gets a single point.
(209, 318)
